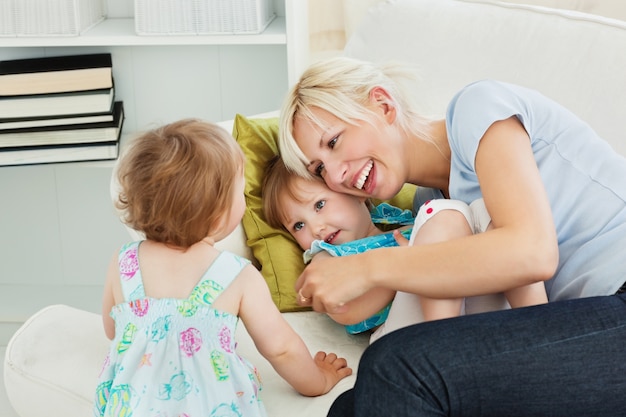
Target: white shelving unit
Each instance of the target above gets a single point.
(121, 32)
(58, 227)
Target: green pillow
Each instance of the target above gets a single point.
(276, 250)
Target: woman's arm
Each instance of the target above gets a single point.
(363, 307)
(520, 249)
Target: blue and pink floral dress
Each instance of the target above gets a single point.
(176, 358)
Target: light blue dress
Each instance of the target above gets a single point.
(174, 357)
(382, 214)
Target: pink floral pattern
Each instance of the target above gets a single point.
(190, 341)
(129, 264)
(225, 339)
(140, 307)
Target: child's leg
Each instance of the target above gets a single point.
(405, 310)
(439, 221)
(517, 297)
(528, 295)
(448, 219)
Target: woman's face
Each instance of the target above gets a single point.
(364, 160)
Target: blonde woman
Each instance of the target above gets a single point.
(556, 195)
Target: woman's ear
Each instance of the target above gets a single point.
(383, 103)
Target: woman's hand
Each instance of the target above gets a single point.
(329, 283)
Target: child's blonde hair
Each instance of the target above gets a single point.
(278, 182)
(177, 181)
(341, 86)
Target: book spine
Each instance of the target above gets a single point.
(57, 63)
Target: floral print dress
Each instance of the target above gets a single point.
(176, 358)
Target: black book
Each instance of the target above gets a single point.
(65, 134)
(57, 104)
(64, 152)
(56, 74)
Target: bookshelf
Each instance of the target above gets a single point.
(121, 32)
(58, 225)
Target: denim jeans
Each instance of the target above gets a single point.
(562, 359)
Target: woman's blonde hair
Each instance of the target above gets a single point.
(177, 181)
(342, 86)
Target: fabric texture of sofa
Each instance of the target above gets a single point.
(53, 360)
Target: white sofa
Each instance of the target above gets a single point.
(579, 59)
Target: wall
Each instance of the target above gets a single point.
(58, 229)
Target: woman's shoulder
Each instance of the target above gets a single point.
(483, 85)
(482, 92)
(495, 94)
(476, 106)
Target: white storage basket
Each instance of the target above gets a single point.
(7, 18)
(49, 17)
(202, 17)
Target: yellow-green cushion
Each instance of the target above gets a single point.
(276, 251)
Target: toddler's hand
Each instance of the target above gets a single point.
(402, 241)
(334, 369)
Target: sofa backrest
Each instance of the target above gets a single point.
(575, 58)
(615, 9)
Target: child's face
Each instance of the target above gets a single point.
(323, 214)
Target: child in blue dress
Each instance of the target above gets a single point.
(172, 301)
(327, 223)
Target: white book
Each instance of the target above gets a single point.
(54, 154)
(65, 134)
(41, 105)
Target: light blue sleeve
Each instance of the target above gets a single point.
(582, 176)
(471, 112)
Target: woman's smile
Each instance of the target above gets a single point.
(363, 175)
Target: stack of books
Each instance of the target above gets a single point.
(59, 109)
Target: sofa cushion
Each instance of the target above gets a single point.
(575, 58)
(276, 251)
(52, 363)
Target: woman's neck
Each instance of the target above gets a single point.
(430, 164)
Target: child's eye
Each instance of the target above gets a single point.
(332, 142)
(319, 169)
(298, 226)
(320, 205)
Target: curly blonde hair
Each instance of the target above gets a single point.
(177, 181)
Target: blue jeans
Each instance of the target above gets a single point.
(562, 359)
